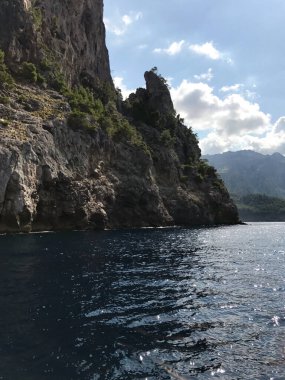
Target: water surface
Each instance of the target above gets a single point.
(144, 304)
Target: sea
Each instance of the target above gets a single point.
(169, 303)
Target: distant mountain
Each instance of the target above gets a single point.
(248, 172)
(258, 207)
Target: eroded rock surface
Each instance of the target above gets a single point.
(55, 177)
(118, 164)
(71, 33)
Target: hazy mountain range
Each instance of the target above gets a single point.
(255, 181)
(248, 172)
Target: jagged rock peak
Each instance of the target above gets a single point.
(158, 92)
(71, 32)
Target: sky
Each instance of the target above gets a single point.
(224, 61)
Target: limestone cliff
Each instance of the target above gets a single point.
(80, 157)
(68, 32)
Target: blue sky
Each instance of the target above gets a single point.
(224, 60)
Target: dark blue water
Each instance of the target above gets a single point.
(146, 304)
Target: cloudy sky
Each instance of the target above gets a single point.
(224, 60)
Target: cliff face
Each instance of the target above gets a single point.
(68, 32)
(137, 167)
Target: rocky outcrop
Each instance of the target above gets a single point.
(83, 159)
(158, 94)
(55, 177)
(68, 33)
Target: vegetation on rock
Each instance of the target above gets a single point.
(6, 79)
(28, 71)
(257, 207)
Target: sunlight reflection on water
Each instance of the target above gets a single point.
(144, 304)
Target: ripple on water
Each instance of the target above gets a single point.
(144, 304)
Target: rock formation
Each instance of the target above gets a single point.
(70, 33)
(79, 159)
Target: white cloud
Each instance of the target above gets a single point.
(119, 83)
(208, 76)
(206, 49)
(250, 95)
(280, 125)
(240, 88)
(230, 123)
(131, 17)
(210, 51)
(118, 30)
(232, 88)
(127, 20)
(121, 25)
(173, 49)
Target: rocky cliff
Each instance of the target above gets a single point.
(68, 32)
(74, 155)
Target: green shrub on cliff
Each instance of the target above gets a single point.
(37, 16)
(4, 100)
(46, 65)
(201, 170)
(6, 79)
(166, 138)
(29, 72)
(56, 80)
(81, 99)
(106, 93)
(119, 129)
(79, 119)
(205, 169)
(86, 110)
(218, 183)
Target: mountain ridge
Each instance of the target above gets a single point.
(247, 172)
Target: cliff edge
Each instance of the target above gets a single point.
(73, 154)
